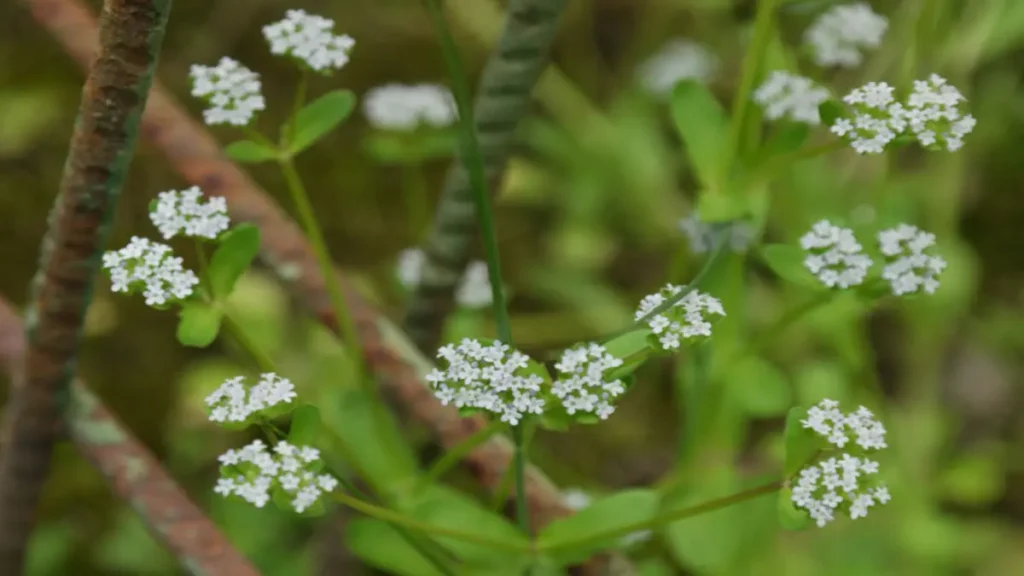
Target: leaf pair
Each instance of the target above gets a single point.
(312, 123)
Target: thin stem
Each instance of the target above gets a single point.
(458, 452)
(667, 517)
(519, 465)
(288, 134)
(262, 360)
(316, 239)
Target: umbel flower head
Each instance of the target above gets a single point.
(254, 473)
(233, 401)
(186, 213)
(909, 269)
(846, 482)
(684, 319)
(152, 268)
(786, 95)
(232, 90)
(834, 255)
(404, 108)
(310, 39)
(839, 35)
(877, 118)
(679, 59)
(489, 377)
(933, 114)
(582, 385)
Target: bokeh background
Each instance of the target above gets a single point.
(587, 226)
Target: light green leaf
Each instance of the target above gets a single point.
(320, 117)
(305, 426)
(379, 545)
(703, 126)
(801, 444)
(198, 324)
(615, 511)
(758, 387)
(787, 261)
(791, 517)
(448, 509)
(830, 111)
(628, 344)
(237, 250)
(249, 152)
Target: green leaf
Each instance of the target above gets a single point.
(787, 139)
(320, 117)
(801, 444)
(198, 324)
(615, 511)
(379, 545)
(830, 111)
(758, 387)
(787, 261)
(236, 252)
(791, 517)
(628, 344)
(305, 426)
(448, 509)
(703, 126)
(249, 152)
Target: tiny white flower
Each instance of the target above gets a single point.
(700, 235)
(309, 39)
(410, 267)
(933, 114)
(838, 36)
(487, 377)
(186, 213)
(232, 90)
(834, 255)
(582, 386)
(909, 268)
(404, 108)
(677, 60)
(473, 290)
(786, 95)
(877, 118)
(683, 320)
(152, 268)
(232, 401)
(252, 473)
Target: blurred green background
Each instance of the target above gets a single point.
(587, 226)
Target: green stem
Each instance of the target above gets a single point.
(519, 465)
(458, 452)
(288, 133)
(666, 518)
(316, 239)
(262, 360)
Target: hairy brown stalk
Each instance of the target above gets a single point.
(133, 473)
(102, 145)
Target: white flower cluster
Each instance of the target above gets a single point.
(834, 255)
(841, 483)
(788, 95)
(309, 39)
(582, 386)
(839, 35)
(931, 114)
(473, 291)
(232, 90)
(253, 472)
(909, 268)
(677, 60)
(700, 235)
(152, 267)
(185, 213)
(487, 378)
(232, 401)
(684, 319)
(404, 108)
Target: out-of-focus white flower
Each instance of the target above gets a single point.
(232, 401)
(933, 114)
(877, 118)
(186, 213)
(677, 60)
(253, 472)
(309, 39)
(839, 35)
(582, 386)
(473, 291)
(151, 267)
(684, 319)
(909, 268)
(487, 377)
(404, 108)
(844, 482)
(700, 235)
(834, 255)
(232, 90)
(788, 95)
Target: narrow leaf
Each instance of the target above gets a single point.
(236, 252)
(320, 117)
(249, 152)
(305, 426)
(703, 127)
(198, 324)
(787, 261)
(616, 511)
(801, 444)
